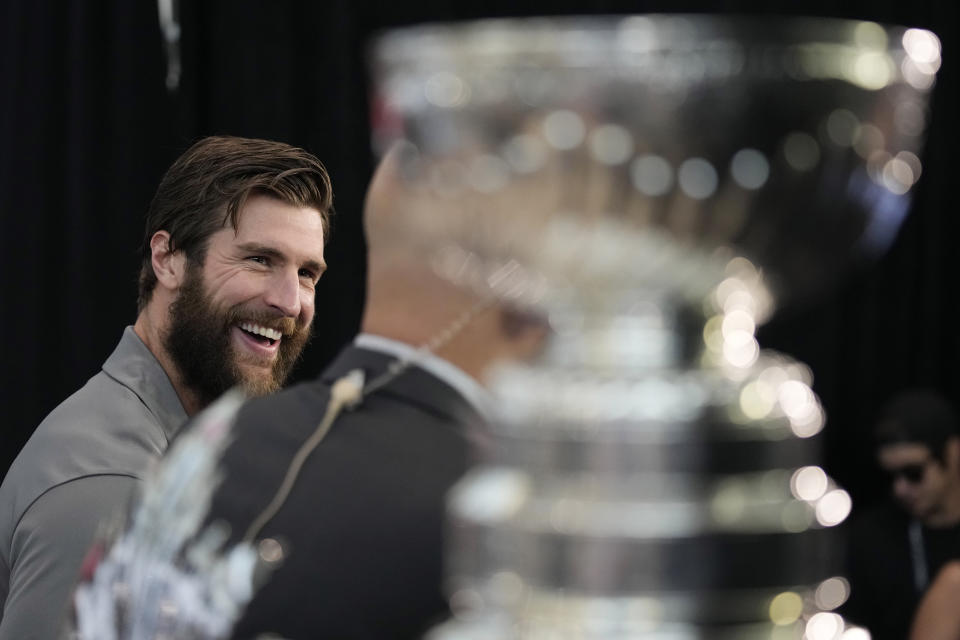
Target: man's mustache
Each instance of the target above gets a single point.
(272, 320)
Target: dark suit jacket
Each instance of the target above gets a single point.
(883, 596)
(362, 525)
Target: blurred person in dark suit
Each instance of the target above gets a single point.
(232, 250)
(361, 524)
(897, 549)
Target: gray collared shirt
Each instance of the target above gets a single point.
(78, 467)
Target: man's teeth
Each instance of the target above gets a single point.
(266, 332)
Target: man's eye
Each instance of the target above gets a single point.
(258, 259)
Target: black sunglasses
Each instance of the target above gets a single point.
(912, 473)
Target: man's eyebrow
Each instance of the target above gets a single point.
(316, 267)
(272, 252)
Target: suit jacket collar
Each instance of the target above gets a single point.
(414, 384)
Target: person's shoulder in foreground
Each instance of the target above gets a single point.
(232, 249)
(362, 525)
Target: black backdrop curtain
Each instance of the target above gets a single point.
(87, 129)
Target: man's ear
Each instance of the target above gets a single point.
(169, 267)
(526, 332)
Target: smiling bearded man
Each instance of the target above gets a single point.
(199, 342)
(232, 252)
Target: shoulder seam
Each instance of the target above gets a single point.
(60, 484)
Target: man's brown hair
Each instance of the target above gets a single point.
(207, 186)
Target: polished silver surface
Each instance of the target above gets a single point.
(597, 150)
(654, 186)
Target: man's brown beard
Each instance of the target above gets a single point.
(198, 341)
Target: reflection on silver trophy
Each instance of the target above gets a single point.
(655, 186)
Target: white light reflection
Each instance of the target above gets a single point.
(799, 371)
(773, 376)
(743, 290)
(749, 169)
(697, 178)
(872, 70)
(712, 335)
(856, 633)
(757, 399)
(834, 507)
(796, 399)
(742, 267)
(738, 327)
(809, 483)
(637, 34)
(741, 300)
(875, 165)
(564, 130)
(914, 162)
(897, 176)
(490, 495)
(831, 593)
(824, 626)
(725, 289)
(916, 75)
(733, 294)
(742, 355)
(270, 550)
(446, 90)
(651, 175)
(922, 46)
(611, 144)
(801, 406)
(801, 151)
(809, 427)
(785, 608)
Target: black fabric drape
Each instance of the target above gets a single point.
(85, 138)
(87, 129)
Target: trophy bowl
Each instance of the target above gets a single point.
(655, 186)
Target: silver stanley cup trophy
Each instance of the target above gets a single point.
(653, 185)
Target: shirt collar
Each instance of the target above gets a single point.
(133, 365)
(472, 391)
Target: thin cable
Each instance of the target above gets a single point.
(348, 392)
(398, 366)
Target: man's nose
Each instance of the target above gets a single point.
(901, 487)
(283, 293)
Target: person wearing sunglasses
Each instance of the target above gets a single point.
(896, 549)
